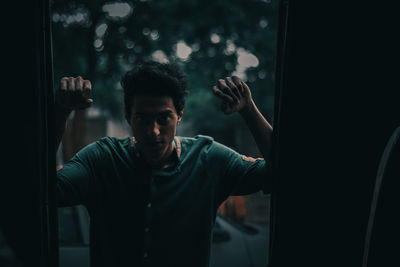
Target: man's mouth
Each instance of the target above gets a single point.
(155, 144)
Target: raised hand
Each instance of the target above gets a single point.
(234, 93)
(74, 93)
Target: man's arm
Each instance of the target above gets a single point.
(73, 93)
(236, 97)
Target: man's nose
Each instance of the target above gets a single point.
(154, 129)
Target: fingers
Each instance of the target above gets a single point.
(222, 95)
(71, 84)
(78, 83)
(246, 89)
(227, 101)
(236, 80)
(233, 87)
(226, 89)
(74, 92)
(63, 96)
(87, 88)
(63, 84)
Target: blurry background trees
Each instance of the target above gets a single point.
(209, 39)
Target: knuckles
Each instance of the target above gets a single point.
(72, 84)
(74, 93)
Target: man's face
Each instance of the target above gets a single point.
(154, 120)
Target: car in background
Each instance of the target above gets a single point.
(235, 244)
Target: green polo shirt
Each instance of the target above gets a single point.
(164, 218)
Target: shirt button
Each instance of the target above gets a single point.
(149, 205)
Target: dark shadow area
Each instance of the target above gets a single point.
(381, 243)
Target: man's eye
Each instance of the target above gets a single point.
(163, 119)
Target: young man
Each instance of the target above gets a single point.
(153, 197)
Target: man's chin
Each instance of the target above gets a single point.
(156, 151)
(156, 154)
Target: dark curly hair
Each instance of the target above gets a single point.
(154, 78)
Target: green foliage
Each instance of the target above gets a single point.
(215, 30)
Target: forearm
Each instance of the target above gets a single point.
(236, 96)
(61, 116)
(260, 129)
(73, 94)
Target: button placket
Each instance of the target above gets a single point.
(148, 219)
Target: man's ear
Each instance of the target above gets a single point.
(180, 114)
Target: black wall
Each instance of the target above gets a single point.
(337, 107)
(27, 155)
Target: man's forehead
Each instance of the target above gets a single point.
(153, 112)
(153, 104)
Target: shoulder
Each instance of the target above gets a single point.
(106, 145)
(196, 140)
(110, 141)
(205, 144)
(215, 151)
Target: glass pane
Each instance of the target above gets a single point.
(68, 227)
(209, 40)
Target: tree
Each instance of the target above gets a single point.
(210, 39)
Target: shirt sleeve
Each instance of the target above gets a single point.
(238, 174)
(74, 177)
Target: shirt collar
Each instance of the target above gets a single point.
(177, 147)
